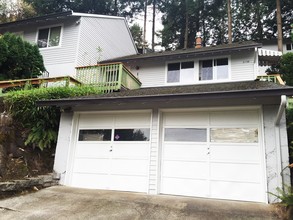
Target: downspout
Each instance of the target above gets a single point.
(281, 111)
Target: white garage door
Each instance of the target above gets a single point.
(112, 152)
(213, 154)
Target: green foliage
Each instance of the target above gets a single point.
(19, 59)
(285, 195)
(136, 31)
(286, 68)
(41, 122)
(105, 7)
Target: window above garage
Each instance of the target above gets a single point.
(214, 69)
(181, 72)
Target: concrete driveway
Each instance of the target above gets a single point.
(61, 202)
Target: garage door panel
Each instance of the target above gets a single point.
(226, 164)
(132, 120)
(86, 165)
(185, 169)
(185, 119)
(236, 191)
(92, 150)
(91, 181)
(190, 151)
(234, 118)
(236, 172)
(129, 183)
(191, 187)
(235, 153)
(136, 150)
(103, 161)
(95, 120)
(130, 167)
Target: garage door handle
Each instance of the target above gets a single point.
(111, 149)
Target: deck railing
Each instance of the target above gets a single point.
(276, 78)
(108, 77)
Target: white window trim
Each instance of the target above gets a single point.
(215, 80)
(50, 26)
(179, 83)
(196, 71)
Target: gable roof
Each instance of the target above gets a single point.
(203, 91)
(222, 49)
(52, 17)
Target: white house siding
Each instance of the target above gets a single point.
(242, 66)
(150, 73)
(110, 34)
(153, 73)
(63, 145)
(276, 159)
(60, 61)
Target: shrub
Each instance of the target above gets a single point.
(19, 59)
(41, 123)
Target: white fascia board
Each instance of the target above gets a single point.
(96, 16)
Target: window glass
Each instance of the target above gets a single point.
(288, 46)
(234, 135)
(206, 71)
(186, 134)
(173, 74)
(43, 37)
(95, 135)
(137, 134)
(54, 36)
(49, 37)
(187, 65)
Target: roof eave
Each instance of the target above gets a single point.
(160, 97)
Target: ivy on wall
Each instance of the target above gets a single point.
(41, 123)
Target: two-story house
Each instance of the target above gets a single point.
(200, 125)
(69, 39)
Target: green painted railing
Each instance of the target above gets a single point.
(108, 77)
(276, 78)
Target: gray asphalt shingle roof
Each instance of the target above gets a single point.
(247, 88)
(223, 48)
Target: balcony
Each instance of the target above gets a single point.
(108, 77)
(276, 78)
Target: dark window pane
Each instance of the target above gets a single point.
(186, 134)
(288, 46)
(95, 135)
(207, 63)
(222, 62)
(138, 134)
(43, 38)
(187, 65)
(173, 66)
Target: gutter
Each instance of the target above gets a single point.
(281, 110)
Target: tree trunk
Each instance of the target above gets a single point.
(279, 26)
(229, 22)
(186, 25)
(154, 22)
(144, 27)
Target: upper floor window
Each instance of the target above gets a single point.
(180, 72)
(49, 37)
(214, 69)
(289, 46)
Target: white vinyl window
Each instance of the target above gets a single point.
(180, 72)
(49, 37)
(214, 69)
